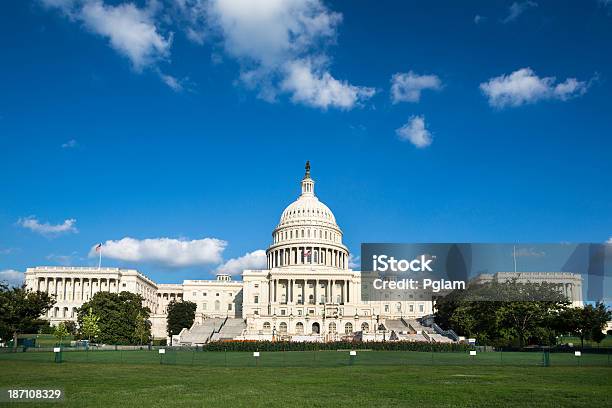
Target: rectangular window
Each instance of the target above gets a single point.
(387, 308)
(412, 308)
(203, 293)
(256, 300)
(299, 312)
(283, 312)
(204, 306)
(256, 312)
(229, 306)
(421, 308)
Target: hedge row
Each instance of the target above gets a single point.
(336, 345)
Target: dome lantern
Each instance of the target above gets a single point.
(307, 182)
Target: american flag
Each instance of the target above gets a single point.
(98, 247)
(306, 252)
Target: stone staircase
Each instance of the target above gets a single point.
(200, 333)
(231, 328)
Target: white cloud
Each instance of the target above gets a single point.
(130, 30)
(69, 144)
(518, 8)
(354, 261)
(524, 86)
(609, 241)
(172, 82)
(279, 45)
(45, 228)
(415, 132)
(250, 260)
(407, 87)
(164, 251)
(12, 277)
(319, 89)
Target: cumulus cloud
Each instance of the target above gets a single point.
(407, 87)
(132, 31)
(12, 277)
(45, 228)
(319, 89)
(250, 260)
(280, 47)
(415, 132)
(524, 86)
(518, 8)
(164, 251)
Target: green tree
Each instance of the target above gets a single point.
(89, 325)
(71, 326)
(499, 313)
(180, 315)
(20, 310)
(142, 330)
(61, 332)
(587, 322)
(117, 314)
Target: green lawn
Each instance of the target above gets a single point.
(309, 379)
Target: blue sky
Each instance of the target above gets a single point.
(129, 122)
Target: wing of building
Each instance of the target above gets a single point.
(307, 293)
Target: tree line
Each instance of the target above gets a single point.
(517, 314)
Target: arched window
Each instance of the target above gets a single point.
(282, 328)
(266, 326)
(365, 327)
(348, 328)
(398, 307)
(332, 327)
(299, 328)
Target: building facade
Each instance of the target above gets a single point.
(308, 292)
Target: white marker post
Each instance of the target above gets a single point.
(352, 356)
(161, 355)
(473, 355)
(256, 355)
(58, 354)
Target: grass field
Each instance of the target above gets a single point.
(315, 379)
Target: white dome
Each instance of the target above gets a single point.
(307, 210)
(307, 233)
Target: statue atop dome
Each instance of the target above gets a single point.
(307, 175)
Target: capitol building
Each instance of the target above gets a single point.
(307, 292)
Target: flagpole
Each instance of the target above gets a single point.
(100, 260)
(514, 257)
